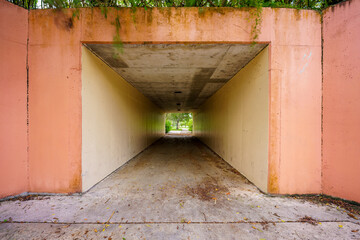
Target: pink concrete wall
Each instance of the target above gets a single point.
(55, 103)
(341, 114)
(13, 99)
(295, 84)
(295, 102)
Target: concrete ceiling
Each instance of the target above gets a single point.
(177, 76)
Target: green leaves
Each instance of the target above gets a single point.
(132, 2)
(167, 126)
(178, 118)
(190, 3)
(299, 4)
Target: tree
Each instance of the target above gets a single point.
(190, 125)
(178, 117)
(167, 126)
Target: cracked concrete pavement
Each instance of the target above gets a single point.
(175, 189)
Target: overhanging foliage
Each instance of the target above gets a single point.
(300, 4)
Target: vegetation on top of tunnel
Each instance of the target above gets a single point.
(298, 4)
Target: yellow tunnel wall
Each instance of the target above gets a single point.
(118, 122)
(234, 122)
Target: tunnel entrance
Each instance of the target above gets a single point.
(126, 93)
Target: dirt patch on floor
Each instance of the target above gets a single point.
(224, 166)
(309, 220)
(351, 207)
(207, 190)
(28, 198)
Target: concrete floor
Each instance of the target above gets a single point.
(176, 189)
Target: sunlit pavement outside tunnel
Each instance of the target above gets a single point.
(176, 189)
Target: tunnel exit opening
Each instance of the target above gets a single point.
(131, 97)
(179, 123)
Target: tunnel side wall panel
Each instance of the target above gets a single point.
(295, 102)
(54, 102)
(341, 115)
(297, 72)
(234, 122)
(13, 99)
(118, 121)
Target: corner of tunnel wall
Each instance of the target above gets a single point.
(54, 102)
(118, 121)
(13, 99)
(274, 133)
(234, 121)
(295, 103)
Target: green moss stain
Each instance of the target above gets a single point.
(218, 10)
(149, 16)
(201, 12)
(166, 12)
(133, 14)
(297, 14)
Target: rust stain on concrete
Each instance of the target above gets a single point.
(75, 183)
(273, 182)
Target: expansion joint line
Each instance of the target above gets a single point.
(27, 104)
(322, 102)
(204, 222)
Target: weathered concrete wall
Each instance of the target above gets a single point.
(13, 99)
(118, 122)
(54, 103)
(234, 122)
(295, 102)
(341, 114)
(55, 84)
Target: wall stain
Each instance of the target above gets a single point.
(297, 14)
(62, 21)
(273, 183)
(75, 183)
(149, 16)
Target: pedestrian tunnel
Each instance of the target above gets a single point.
(127, 89)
